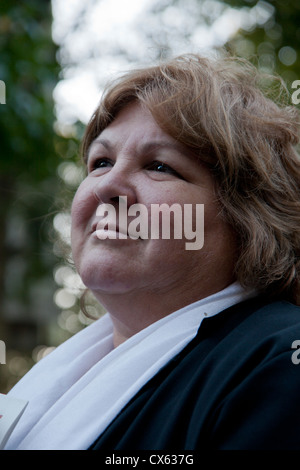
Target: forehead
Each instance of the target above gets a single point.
(135, 126)
(134, 117)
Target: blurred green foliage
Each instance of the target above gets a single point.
(29, 69)
(30, 154)
(274, 44)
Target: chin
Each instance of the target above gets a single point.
(105, 277)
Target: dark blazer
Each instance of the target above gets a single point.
(234, 386)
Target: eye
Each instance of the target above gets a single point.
(98, 163)
(162, 168)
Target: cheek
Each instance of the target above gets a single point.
(82, 205)
(82, 211)
(219, 235)
(217, 232)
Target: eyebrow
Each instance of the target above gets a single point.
(147, 147)
(102, 141)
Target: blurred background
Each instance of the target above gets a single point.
(55, 59)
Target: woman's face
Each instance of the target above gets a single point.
(134, 158)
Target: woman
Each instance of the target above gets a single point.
(196, 350)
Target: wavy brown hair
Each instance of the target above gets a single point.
(239, 122)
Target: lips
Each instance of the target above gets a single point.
(105, 230)
(103, 227)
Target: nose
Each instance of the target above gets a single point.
(115, 184)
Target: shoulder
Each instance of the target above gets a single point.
(254, 322)
(249, 344)
(253, 365)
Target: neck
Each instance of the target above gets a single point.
(132, 312)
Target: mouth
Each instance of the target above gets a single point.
(104, 230)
